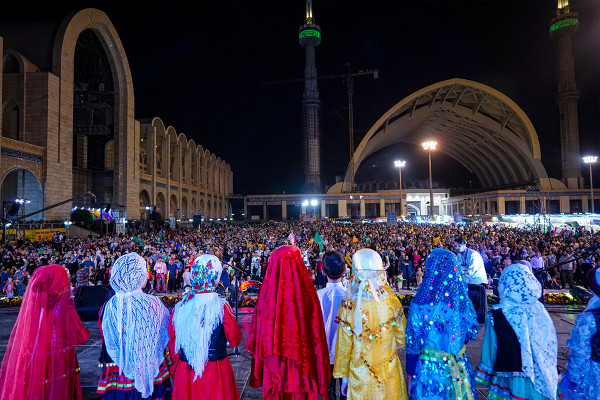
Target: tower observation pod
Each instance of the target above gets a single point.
(562, 29)
(309, 37)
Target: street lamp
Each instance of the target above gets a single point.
(400, 164)
(313, 203)
(591, 160)
(430, 145)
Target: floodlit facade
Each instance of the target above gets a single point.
(68, 128)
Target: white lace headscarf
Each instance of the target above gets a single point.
(135, 325)
(199, 313)
(369, 283)
(519, 292)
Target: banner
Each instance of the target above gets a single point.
(35, 235)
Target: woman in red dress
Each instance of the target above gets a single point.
(290, 357)
(40, 360)
(202, 327)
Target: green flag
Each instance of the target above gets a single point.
(138, 241)
(319, 240)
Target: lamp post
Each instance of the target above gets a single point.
(430, 145)
(313, 203)
(400, 164)
(591, 160)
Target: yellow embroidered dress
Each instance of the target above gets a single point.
(370, 359)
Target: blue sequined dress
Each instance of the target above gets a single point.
(441, 321)
(582, 379)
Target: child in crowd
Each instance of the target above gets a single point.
(518, 358)
(419, 276)
(9, 288)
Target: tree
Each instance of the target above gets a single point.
(82, 218)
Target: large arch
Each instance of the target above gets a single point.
(184, 208)
(126, 176)
(144, 202)
(475, 124)
(174, 206)
(23, 184)
(161, 204)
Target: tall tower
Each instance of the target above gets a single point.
(562, 29)
(309, 38)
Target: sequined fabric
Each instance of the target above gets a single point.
(370, 360)
(441, 318)
(582, 373)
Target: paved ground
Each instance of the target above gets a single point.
(563, 318)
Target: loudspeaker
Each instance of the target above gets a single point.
(13, 209)
(89, 300)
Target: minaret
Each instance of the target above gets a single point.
(310, 37)
(562, 29)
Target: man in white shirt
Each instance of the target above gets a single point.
(474, 272)
(330, 297)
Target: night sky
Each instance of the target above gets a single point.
(199, 66)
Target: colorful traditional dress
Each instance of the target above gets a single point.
(371, 330)
(441, 321)
(287, 341)
(202, 327)
(40, 362)
(518, 357)
(134, 328)
(582, 379)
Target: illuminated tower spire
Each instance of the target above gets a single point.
(562, 29)
(309, 38)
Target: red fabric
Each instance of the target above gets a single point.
(40, 360)
(290, 357)
(217, 381)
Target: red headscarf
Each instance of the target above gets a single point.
(288, 323)
(40, 360)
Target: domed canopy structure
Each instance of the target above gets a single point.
(475, 124)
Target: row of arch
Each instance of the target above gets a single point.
(183, 207)
(172, 157)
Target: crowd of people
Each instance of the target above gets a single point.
(304, 342)
(403, 249)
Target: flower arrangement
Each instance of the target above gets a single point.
(405, 299)
(561, 299)
(170, 301)
(10, 301)
(249, 301)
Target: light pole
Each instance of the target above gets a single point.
(400, 164)
(430, 145)
(591, 160)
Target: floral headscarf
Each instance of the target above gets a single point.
(205, 275)
(199, 313)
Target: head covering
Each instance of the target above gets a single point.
(199, 313)
(519, 291)
(369, 282)
(443, 292)
(135, 324)
(593, 280)
(334, 264)
(40, 360)
(288, 322)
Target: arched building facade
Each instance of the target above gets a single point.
(73, 129)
